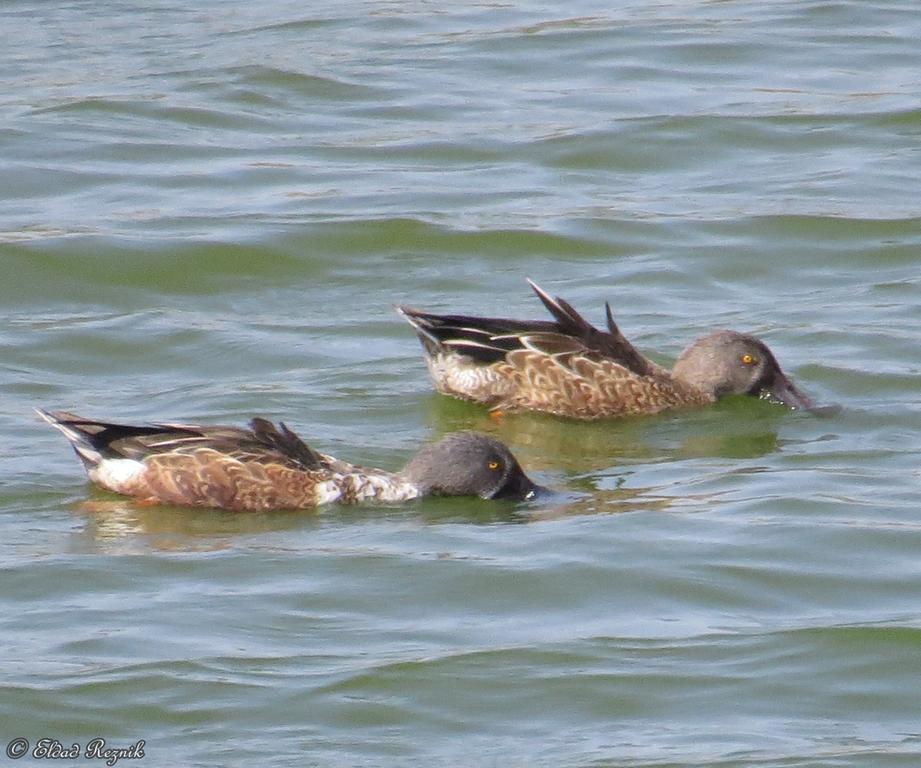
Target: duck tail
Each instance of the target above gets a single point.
(418, 319)
(81, 432)
(424, 326)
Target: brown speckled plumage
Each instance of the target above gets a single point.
(567, 367)
(267, 467)
(204, 477)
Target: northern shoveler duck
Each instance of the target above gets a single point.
(567, 367)
(267, 467)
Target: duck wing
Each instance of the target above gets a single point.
(263, 442)
(490, 340)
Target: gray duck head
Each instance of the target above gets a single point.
(730, 363)
(469, 464)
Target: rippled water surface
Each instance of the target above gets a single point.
(207, 212)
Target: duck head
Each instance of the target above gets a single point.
(730, 363)
(469, 464)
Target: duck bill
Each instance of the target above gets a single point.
(784, 391)
(520, 488)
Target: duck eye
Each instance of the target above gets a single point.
(748, 359)
(493, 465)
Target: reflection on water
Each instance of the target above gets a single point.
(735, 428)
(603, 502)
(125, 526)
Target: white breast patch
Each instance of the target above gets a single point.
(116, 474)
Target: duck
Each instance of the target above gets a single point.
(265, 466)
(567, 367)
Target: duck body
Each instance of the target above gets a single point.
(567, 367)
(266, 467)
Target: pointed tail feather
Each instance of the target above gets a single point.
(69, 425)
(422, 325)
(93, 440)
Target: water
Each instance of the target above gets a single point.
(208, 212)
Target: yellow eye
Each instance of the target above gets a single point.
(494, 465)
(748, 359)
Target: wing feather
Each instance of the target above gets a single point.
(489, 340)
